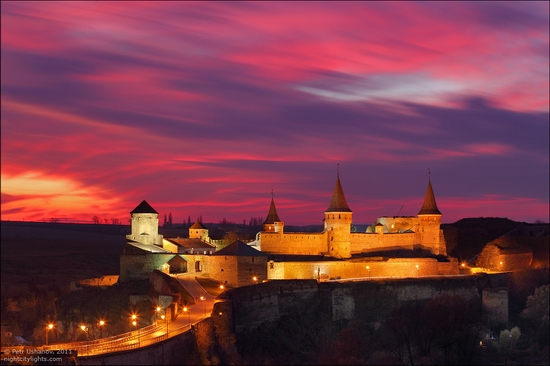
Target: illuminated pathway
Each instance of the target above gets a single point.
(151, 334)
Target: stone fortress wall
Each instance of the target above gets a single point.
(362, 268)
(369, 301)
(103, 281)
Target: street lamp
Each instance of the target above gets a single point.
(368, 269)
(48, 328)
(135, 323)
(204, 299)
(186, 309)
(158, 309)
(166, 321)
(101, 324)
(417, 271)
(85, 330)
(255, 279)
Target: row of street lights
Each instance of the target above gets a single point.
(83, 327)
(134, 321)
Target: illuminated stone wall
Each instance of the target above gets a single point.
(495, 258)
(373, 242)
(145, 229)
(139, 266)
(237, 270)
(293, 243)
(392, 267)
(428, 236)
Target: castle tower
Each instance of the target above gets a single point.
(429, 219)
(338, 218)
(145, 225)
(272, 223)
(199, 231)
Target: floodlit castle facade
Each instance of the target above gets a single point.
(396, 246)
(421, 233)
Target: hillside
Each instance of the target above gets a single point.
(467, 237)
(55, 252)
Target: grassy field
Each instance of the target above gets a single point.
(43, 253)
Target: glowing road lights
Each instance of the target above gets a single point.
(48, 328)
(186, 309)
(368, 269)
(85, 330)
(101, 323)
(135, 324)
(255, 279)
(417, 270)
(202, 298)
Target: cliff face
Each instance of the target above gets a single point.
(292, 320)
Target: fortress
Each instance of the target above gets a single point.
(396, 246)
(420, 232)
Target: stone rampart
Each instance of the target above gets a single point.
(370, 300)
(366, 268)
(103, 281)
(139, 266)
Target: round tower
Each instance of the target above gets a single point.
(429, 219)
(199, 231)
(145, 225)
(338, 218)
(272, 222)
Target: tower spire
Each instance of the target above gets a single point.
(430, 206)
(338, 202)
(272, 215)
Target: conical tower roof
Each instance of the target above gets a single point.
(338, 202)
(272, 216)
(429, 207)
(198, 225)
(143, 207)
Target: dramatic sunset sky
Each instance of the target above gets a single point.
(205, 108)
